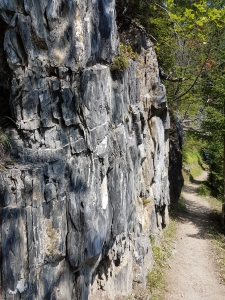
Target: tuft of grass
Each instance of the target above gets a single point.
(157, 276)
(127, 51)
(192, 155)
(162, 252)
(193, 159)
(145, 201)
(204, 190)
(4, 139)
(121, 62)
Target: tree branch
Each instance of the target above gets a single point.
(196, 79)
(186, 112)
(168, 77)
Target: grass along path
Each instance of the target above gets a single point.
(193, 272)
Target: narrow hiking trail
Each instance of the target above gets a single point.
(193, 273)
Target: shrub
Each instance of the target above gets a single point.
(121, 62)
(127, 51)
(204, 190)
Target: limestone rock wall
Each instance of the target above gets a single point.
(87, 181)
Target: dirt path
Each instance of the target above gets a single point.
(192, 274)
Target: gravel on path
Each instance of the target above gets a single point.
(193, 274)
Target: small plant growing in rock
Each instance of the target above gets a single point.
(4, 146)
(127, 51)
(5, 143)
(146, 201)
(121, 62)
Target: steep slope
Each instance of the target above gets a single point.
(89, 179)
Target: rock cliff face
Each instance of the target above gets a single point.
(175, 166)
(88, 179)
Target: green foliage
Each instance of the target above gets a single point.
(4, 139)
(215, 148)
(156, 278)
(194, 18)
(145, 201)
(192, 158)
(127, 51)
(182, 32)
(214, 121)
(192, 154)
(121, 62)
(204, 190)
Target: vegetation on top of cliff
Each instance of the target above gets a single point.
(184, 33)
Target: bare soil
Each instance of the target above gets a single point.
(193, 273)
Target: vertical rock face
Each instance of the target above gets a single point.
(88, 183)
(175, 167)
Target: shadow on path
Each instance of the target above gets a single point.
(196, 181)
(195, 271)
(198, 211)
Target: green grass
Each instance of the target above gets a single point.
(192, 155)
(216, 234)
(192, 158)
(204, 190)
(162, 252)
(156, 278)
(120, 63)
